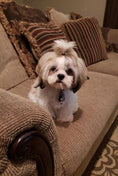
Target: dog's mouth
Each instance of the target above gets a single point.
(59, 81)
(59, 84)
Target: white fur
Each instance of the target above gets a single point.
(48, 98)
(49, 67)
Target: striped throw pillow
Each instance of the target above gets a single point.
(41, 36)
(87, 35)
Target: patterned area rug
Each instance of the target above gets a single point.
(105, 161)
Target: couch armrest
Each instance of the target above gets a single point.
(23, 126)
(30, 145)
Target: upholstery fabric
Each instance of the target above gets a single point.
(79, 140)
(22, 116)
(57, 17)
(23, 88)
(109, 66)
(12, 13)
(87, 34)
(11, 70)
(41, 36)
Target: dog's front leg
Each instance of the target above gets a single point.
(64, 115)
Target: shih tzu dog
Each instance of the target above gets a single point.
(60, 74)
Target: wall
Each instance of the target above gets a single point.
(84, 7)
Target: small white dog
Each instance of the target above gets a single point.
(60, 74)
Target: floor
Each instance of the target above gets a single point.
(105, 161)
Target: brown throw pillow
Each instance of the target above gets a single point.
(41, 36)
(87, 35)
(10, 15)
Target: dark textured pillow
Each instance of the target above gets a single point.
(41, 36)
(87, 34)
(111, 47)
(75, 16)
(10, 15)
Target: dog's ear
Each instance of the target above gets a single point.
(39, 82)
(76, 86)
(80, 76)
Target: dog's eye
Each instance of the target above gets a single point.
(69, 71)
(53, 69)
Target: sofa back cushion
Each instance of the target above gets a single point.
(87, 34)
(11, 70)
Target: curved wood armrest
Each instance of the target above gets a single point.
(30, 145)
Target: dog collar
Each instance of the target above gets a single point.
(61, 97)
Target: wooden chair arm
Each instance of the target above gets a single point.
(30, 145)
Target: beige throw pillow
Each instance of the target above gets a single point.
(57, 17)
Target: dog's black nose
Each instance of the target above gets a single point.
(60, 76)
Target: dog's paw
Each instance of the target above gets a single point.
(68, 119)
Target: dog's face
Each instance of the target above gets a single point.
(61, 71)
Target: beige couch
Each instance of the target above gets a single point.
(41, 146)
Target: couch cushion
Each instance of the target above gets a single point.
(109, 66)
(78, 141)
(23, 88)
(11, 70)
(87, 35)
